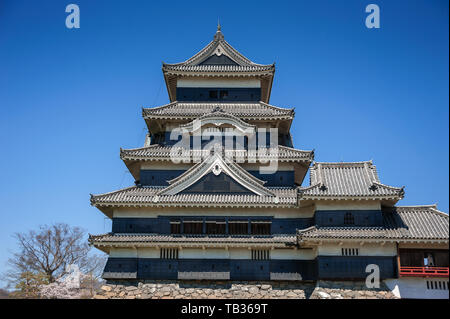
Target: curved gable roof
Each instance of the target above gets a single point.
(217, 50)
(217, 165)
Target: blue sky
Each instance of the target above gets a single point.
(69, 99)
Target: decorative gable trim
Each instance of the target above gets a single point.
(217, 118)
(217, 165)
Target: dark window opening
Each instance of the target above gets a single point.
(428, 260)
(223, 95)
(349, 219)
(193, 227)
(238, 227)
(213, 94)
(260, 227)
(175, 227)
(215, 227)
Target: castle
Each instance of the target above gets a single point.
(219, 195)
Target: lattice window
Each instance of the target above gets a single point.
(175, 227)
(215, 227)
(260, 254)
(169, 253)
(192, 227)
(236, 227)
(260, 227)
(350, 251)
(437, 285)
(349, 219)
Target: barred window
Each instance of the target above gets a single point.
(260, 227)
(349, 219)
(260, 254)
(169, 253)
(215, 227)
(350, 251)
(437, 285)
(193, 227)
(238, 227)
(175, 227)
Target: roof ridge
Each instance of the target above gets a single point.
(159, 107)
(276, 107)
(431, 207)
(389, 187)
(142, 148)
(343, 163)
(113, 192)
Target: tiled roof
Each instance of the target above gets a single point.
(162, 153)
(403, 223)
(418, 222)
(219, 68)
(148, 196)
(186, 240)
(218, 46)
(193, 110)
(347, 181)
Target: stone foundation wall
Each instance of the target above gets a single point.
(240, 290)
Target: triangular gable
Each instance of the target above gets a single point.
(218, 52)
(218, 60)
(217, 165)
(216, 184)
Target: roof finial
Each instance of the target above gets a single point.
(219, 35)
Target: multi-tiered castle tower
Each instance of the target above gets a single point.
(218, 193)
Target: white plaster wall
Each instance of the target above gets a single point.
(151, 212)
(224, 83)
(293, 254)
(148, 253)
(186, 253)
(346, 205)
(213, 253)
(416, 288)
(123, 252)
(240, 254)
(364, 250)
(257, 166)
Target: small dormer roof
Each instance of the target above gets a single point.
(348, 180)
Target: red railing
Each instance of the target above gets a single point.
(423, 271)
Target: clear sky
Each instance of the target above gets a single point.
(69, 99)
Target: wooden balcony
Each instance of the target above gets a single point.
(424, 272)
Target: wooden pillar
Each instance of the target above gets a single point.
(398, 262)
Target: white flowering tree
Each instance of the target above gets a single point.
(73, 284)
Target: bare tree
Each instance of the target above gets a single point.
(4, 294)
(50, 250)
